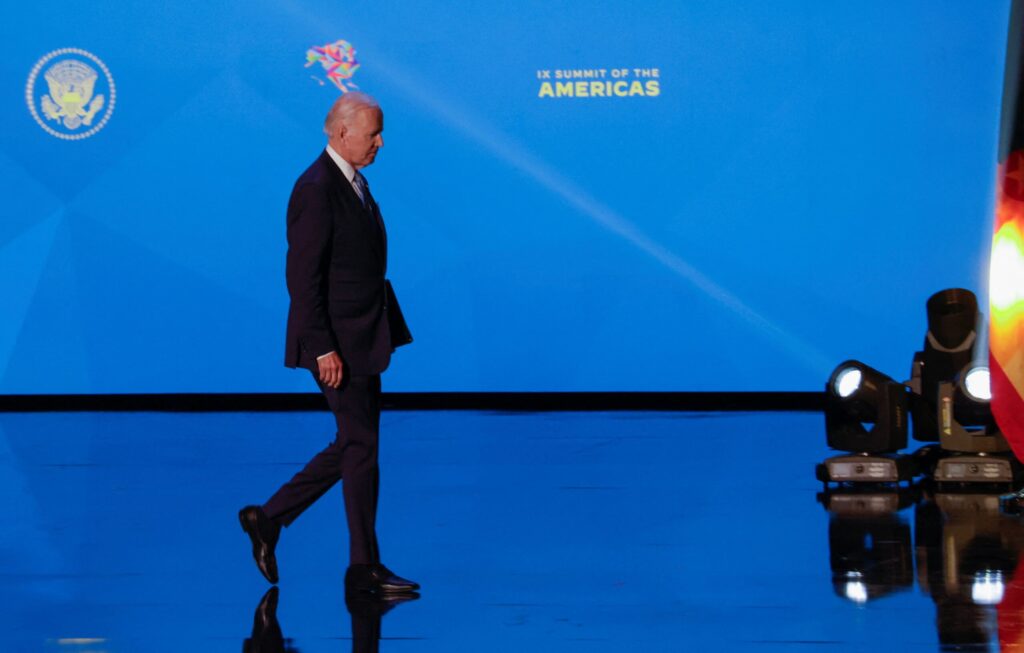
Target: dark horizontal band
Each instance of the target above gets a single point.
(510, 401)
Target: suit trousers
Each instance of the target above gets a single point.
(350, 458)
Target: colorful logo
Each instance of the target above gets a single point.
(78, 99)
(338, 60)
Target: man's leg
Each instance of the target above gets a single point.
(352, 456)
(358, 417)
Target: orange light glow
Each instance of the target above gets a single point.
(1006, 274)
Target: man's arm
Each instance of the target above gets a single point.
(310, 231)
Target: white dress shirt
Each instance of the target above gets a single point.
(346, 169)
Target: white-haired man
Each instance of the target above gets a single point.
(343, 324)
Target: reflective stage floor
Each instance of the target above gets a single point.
(528, 532)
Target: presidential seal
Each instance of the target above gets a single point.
(79, 94)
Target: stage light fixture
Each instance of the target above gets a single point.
(948, 348)
(858, 395)
(965, 415)
(950, 395)
(866, 415)
(980, 453)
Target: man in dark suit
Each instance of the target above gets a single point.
(343, 324)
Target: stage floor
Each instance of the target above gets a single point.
(529, 532)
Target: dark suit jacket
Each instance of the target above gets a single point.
(337, 258)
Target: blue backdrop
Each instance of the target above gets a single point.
(796, 182)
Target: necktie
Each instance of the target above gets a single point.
(364, 193)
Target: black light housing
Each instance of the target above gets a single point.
(948, 348)
(857, 395)
(965, 415)
(978, 452)
(950, 400)
(865, 414)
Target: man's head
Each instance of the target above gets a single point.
(353, 127)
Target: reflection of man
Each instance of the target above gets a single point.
(343, 324)
(266, 632)
(367, 614)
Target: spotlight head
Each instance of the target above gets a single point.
(965, 415)
(976, 384)
(852, 377)
(847, 381)
(857, 395)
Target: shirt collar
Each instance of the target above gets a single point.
(345, 166)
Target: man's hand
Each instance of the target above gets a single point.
(330, 369)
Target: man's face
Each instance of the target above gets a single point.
(359, 141)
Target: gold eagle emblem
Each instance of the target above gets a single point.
(71, 101)
(79, 96)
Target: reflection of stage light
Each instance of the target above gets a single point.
(869, 542)
(967, 550)
(855, 589)
(988, 587)
(865, 414)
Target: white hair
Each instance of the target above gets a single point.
(345, 108)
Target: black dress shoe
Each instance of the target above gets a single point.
(377, 579)
(264, 533)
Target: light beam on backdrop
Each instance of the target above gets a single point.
(1006, 273)
(507, 149)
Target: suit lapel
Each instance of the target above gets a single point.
(379, 220)
(356, 210)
